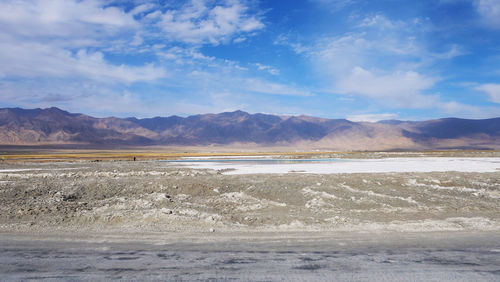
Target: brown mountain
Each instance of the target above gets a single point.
(58, 127)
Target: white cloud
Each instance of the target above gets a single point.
(29, 59)
(298, 48)
(454, 51)
(467, 111)
(142, 8)
(269, 69)
(53, 39)
(239, 39)
(62, 19)
(401, 88)
(70, 38)
(378, 21)
(199, 23)
(371, 117)
(489, 11)
(231, 79)
(266, 87)
(381, 60)
(334, 5)
(492, 89)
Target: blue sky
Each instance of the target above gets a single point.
(361, 60)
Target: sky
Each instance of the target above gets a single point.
(360, 60)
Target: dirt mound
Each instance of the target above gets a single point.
(158, 196)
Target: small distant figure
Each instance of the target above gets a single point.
(134, 159)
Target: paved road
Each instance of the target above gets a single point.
(428, 257)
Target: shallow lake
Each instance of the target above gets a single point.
(326, 166)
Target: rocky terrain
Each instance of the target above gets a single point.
(129, 196)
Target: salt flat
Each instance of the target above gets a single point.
(353, 165)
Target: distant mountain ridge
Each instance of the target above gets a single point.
(55, 126)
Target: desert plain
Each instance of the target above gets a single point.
(186, 218)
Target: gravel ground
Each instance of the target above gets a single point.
(129, 196)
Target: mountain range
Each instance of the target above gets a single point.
(57, 127)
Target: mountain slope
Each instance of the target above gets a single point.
(55, 126)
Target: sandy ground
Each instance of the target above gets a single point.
(162, 204)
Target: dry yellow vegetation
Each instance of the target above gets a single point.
(75, 155)
(129, 155)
